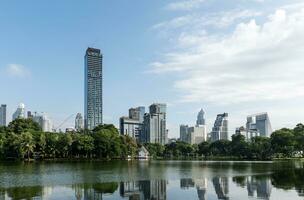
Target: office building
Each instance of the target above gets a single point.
(3, 115)
(93, 89)
(220, 128)
(133, 124)
(155, 125)
(20, 112)
(196, 134)
(29, 115)
(184, 133)
(201, 118)
(44, 121)
(78, 122)
(258, 125)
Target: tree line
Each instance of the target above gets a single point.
(24, 139)
(283, 143)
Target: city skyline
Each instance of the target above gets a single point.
(51, 79)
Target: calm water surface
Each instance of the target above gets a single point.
(136, 180)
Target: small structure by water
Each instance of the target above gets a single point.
(143, 153)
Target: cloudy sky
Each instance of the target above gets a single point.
(236, 56)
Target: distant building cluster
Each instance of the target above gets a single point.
(197, 133)
(256, 125)
(146, 127)
(42, 119)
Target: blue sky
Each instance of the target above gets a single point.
(240, 57)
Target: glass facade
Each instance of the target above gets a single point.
(93, 89)
(3, 115)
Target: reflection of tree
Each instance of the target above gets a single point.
(27, 193)
(289, 179)
(94, 191)
(240, 181)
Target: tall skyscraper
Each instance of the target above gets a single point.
(3, 115)
(184, 133)
(78, 122)
(201, 118)
(20, 112)
(93, 88)
(220, 128)
(259, 124)
(155, 125)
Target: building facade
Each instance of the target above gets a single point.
(184, 133)
(93, 89)
(220, 128)
(258, 125)
(201, 118)
(3, 115)
(155, 125)
(44, 121)
(20, 112)
(79, 122)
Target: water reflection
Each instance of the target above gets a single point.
(273, 184)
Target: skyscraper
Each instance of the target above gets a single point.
(3, 115)
(20, 112)
(78, 122)
(201, 118)
(259, 124)
(93, 88)
(184, 133)
(220, 128)
(155, 125)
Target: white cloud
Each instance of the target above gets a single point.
(16, 70)
(184, 5)
(253, 62)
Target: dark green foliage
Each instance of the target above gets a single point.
(19, 126)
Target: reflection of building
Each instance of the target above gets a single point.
(155, 125)
(20, 112)
(220, 128)
(93, 88)
(221, 187)
(3, 115)
(130, 189)
(262, 187)
(186, 183)
(258, 124)
(201, 187)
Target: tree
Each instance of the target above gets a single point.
(299, 138)
(27, 145)
(203, 149)
(282, 142)
(239, 146)
(260, 148)
(20, 125)
(155, 149)
(220, 148)
(64, 143)
(51, 144)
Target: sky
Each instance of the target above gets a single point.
(236, 56)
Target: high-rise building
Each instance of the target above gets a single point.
(78, 122)
(220, 128)
(93, 88)
(258, 124)
(20, 112)
(155, 125)
(196, 134)
(201, 118)
(184, 133)
(29, 115)
(3, 115)
(44, 121)
(133, 124)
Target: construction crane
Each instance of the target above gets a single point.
(65, 120)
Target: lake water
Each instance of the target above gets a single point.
(136, 180)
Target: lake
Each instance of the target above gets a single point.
(136, 180)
